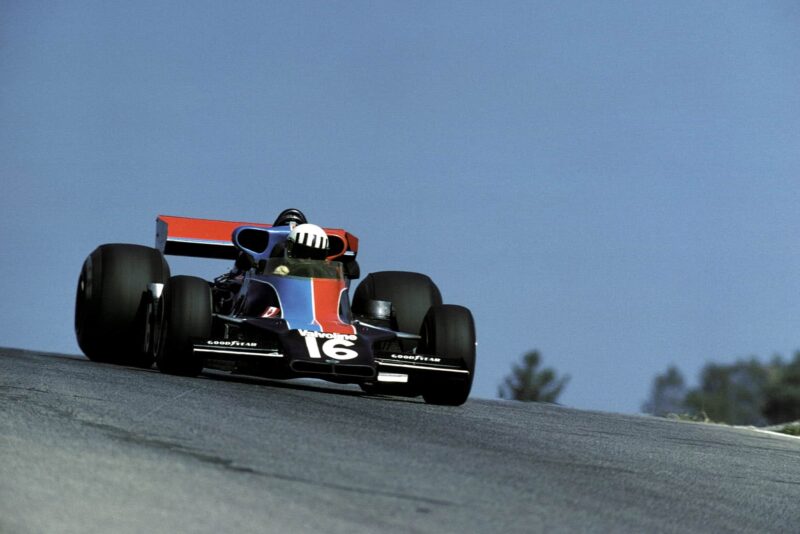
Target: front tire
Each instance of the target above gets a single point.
(185, 317)
(111, 302)
(448, 331)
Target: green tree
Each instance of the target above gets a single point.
(743, 393)
(731, 394)
(782, 394)
(527, 383)
(668, 394)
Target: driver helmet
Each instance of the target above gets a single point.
(307, 241)
(290, 217)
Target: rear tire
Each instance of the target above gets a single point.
(411, 295)
(185, 317)
(111, 302)
(449, 331)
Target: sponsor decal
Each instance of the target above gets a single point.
(326, 335)
(222, 343)
(415, 358)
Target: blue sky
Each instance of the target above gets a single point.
(613, 183)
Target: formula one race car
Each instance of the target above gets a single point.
(275, 314)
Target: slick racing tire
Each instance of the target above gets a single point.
(411, 295)
(448, 331)
(111, 302)
(185, 315)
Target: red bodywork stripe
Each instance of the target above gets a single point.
(326, 306)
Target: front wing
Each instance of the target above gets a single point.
(333, 357)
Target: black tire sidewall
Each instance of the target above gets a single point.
(186, 316)
(411, 295)
(448, 331)
(111, 303)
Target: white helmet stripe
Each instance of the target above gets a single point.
(310, 236)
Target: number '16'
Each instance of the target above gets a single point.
(333, 348)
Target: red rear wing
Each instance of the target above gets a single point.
(206, 238)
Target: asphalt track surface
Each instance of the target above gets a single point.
(87, 448)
